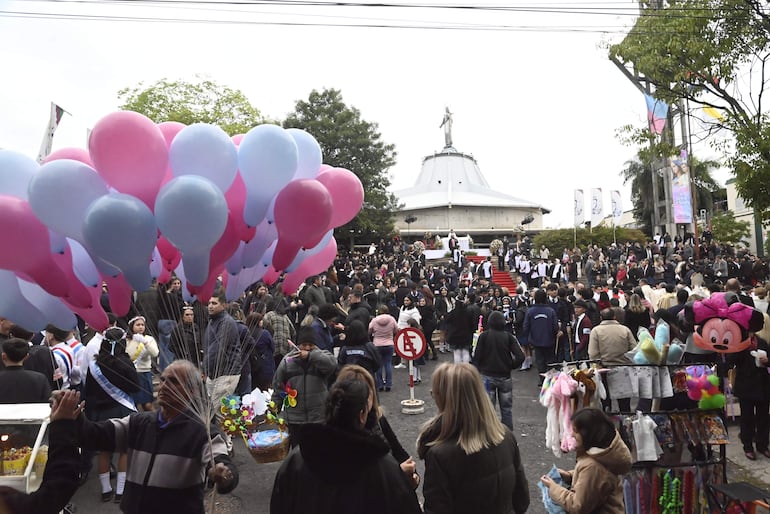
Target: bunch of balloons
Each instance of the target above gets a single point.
(147, 200)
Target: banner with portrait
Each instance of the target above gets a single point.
(579, 207)
(616, 205)
(680, 189)
(597, 207)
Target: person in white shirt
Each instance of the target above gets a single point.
(67, 372)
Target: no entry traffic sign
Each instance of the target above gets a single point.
(410, 343)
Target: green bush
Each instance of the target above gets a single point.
(556, 240)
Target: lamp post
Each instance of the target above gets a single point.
(409, 220)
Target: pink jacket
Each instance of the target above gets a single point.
(384, 329)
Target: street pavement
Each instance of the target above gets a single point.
(256, 480)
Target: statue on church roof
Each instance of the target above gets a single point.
(447, 125)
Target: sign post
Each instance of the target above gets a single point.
(410, 345)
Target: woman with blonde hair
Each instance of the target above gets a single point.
(472, 461)
(636, 315)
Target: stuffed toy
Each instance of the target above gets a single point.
(723, 324)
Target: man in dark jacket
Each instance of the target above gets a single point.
(541, 328)
(18, 385)
(460, 327)
(497, 353)
(358, 310)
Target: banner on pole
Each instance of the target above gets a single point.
(680, 189)
(597, 206)
(53, 122)
(579, 207)
(616, 206)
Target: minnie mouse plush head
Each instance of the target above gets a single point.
(723, 323)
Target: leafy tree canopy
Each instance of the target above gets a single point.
(203, 101)
(713, 53)
(556, 240)
(348, 141)
(726, 229)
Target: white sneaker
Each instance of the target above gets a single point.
(400, 365)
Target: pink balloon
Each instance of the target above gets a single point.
(169, 254)
(303, 210)
(322, 260)
(119, 294)
(77, 293)
(130, 153)
(237, 138)
(164, 277)
(170, 129)
(94, 314)
(312, 265)
(204, 292)
(291, 282)
(75, 154)
(236, 199)
(347, 194)
(271, 276)
(226, 246)
(28, 246)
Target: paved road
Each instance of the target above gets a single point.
(253, 493)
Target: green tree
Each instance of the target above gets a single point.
(726, 229)
(203, 101)
(711, 53)
(348, 141)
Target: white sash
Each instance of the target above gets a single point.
(111, 389)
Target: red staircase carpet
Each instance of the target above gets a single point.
(501, 278)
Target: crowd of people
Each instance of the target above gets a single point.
(150, 380)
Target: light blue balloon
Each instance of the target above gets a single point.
(156, 265)
(83, 266)
(15, 307)
(309, 152)
(16, 171)
(191, 213)
(57, 313)
(267, 257)
(61, 193)
(120, 229)
(234, 264)
(268, 158)
(207, 151)
(58, 242)
(253, 250)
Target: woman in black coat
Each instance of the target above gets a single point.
(472, 461)
(340, 467)
(428, 323)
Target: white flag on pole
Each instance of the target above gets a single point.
(617, 206)
(53, 122)
(579, 207)
(597, 206)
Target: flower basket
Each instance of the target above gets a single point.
(268, 443)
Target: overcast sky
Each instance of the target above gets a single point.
(535, 102)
